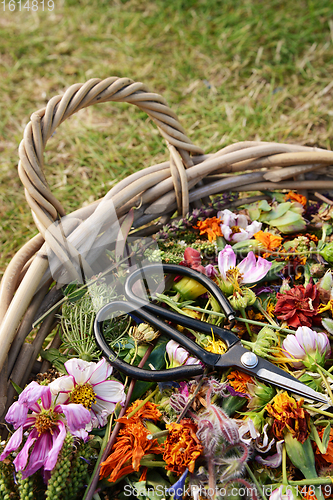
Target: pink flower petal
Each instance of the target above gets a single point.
(57, 442)
(63, 384)
(47, 399)
(247, 266)
(22, 458)
(241, 221)
(110, 391)
(17, 414)
(77, 416)
(39, 454)
(306, 338)
(242, 236)
(102, 371)
(13, 443)
(226, 231)
(80, 369)
(226, 260)
(258, 272)
(32, 393)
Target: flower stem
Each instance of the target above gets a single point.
(327, 385)
(284, 465)
(243, 313)
(243, 320)
(254, 479)
(317, 410)
(157, 435)
(190, 400)
(152, 463)
(315, 481)
(150, 396)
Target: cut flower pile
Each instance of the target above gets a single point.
(223, 435)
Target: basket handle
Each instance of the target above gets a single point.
(44, 205)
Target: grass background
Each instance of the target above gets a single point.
(232, 70)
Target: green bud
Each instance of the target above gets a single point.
(261, 394)
(226, 286)
(285, 286)
(189, 289)
(242, 298)
(327, 281)
(327, 252)
(328, 324)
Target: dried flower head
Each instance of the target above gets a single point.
(182, 447)
(289, 416)
(143, 333)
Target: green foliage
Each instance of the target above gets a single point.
(232, 71)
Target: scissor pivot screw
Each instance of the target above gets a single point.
(249, 360)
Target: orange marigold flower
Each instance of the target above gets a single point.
(268, 240)
(182, 447)
(149, 410)
(239, 380)
(210, 226)
(131, 445)
(289, 415)
(299, 198)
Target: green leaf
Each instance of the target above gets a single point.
(326, 438)
(55, 358)
(74, 292)
(157, 359)
(16, 387)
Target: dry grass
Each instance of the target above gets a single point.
(231, 70)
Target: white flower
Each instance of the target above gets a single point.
(236, 228)
(87, 383)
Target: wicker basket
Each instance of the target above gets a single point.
(183, 182)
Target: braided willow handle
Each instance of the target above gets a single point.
(45, 207)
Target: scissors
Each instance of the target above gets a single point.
(236, 355)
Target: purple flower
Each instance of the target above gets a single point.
(211, 271)
(236, 228)
(179, 356)
(307, 346)
(249, 270)
(178, 488)
(48, 424)
(87, 383)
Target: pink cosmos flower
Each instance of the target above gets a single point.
(249, 270)
(236, 227)
(87, 383)
(179, 356)
(48, 423)
(308, 346)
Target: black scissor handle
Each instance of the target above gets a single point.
(179, 373)
(209, 284)
(226, 335)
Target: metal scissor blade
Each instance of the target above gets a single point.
(258, 367)
(291, 385)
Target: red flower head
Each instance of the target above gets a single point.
(192, 259)
(298, 306)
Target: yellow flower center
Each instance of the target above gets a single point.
(234, 276)
(83, 394)
(45, 422)
(235, 229)
(216, 346)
